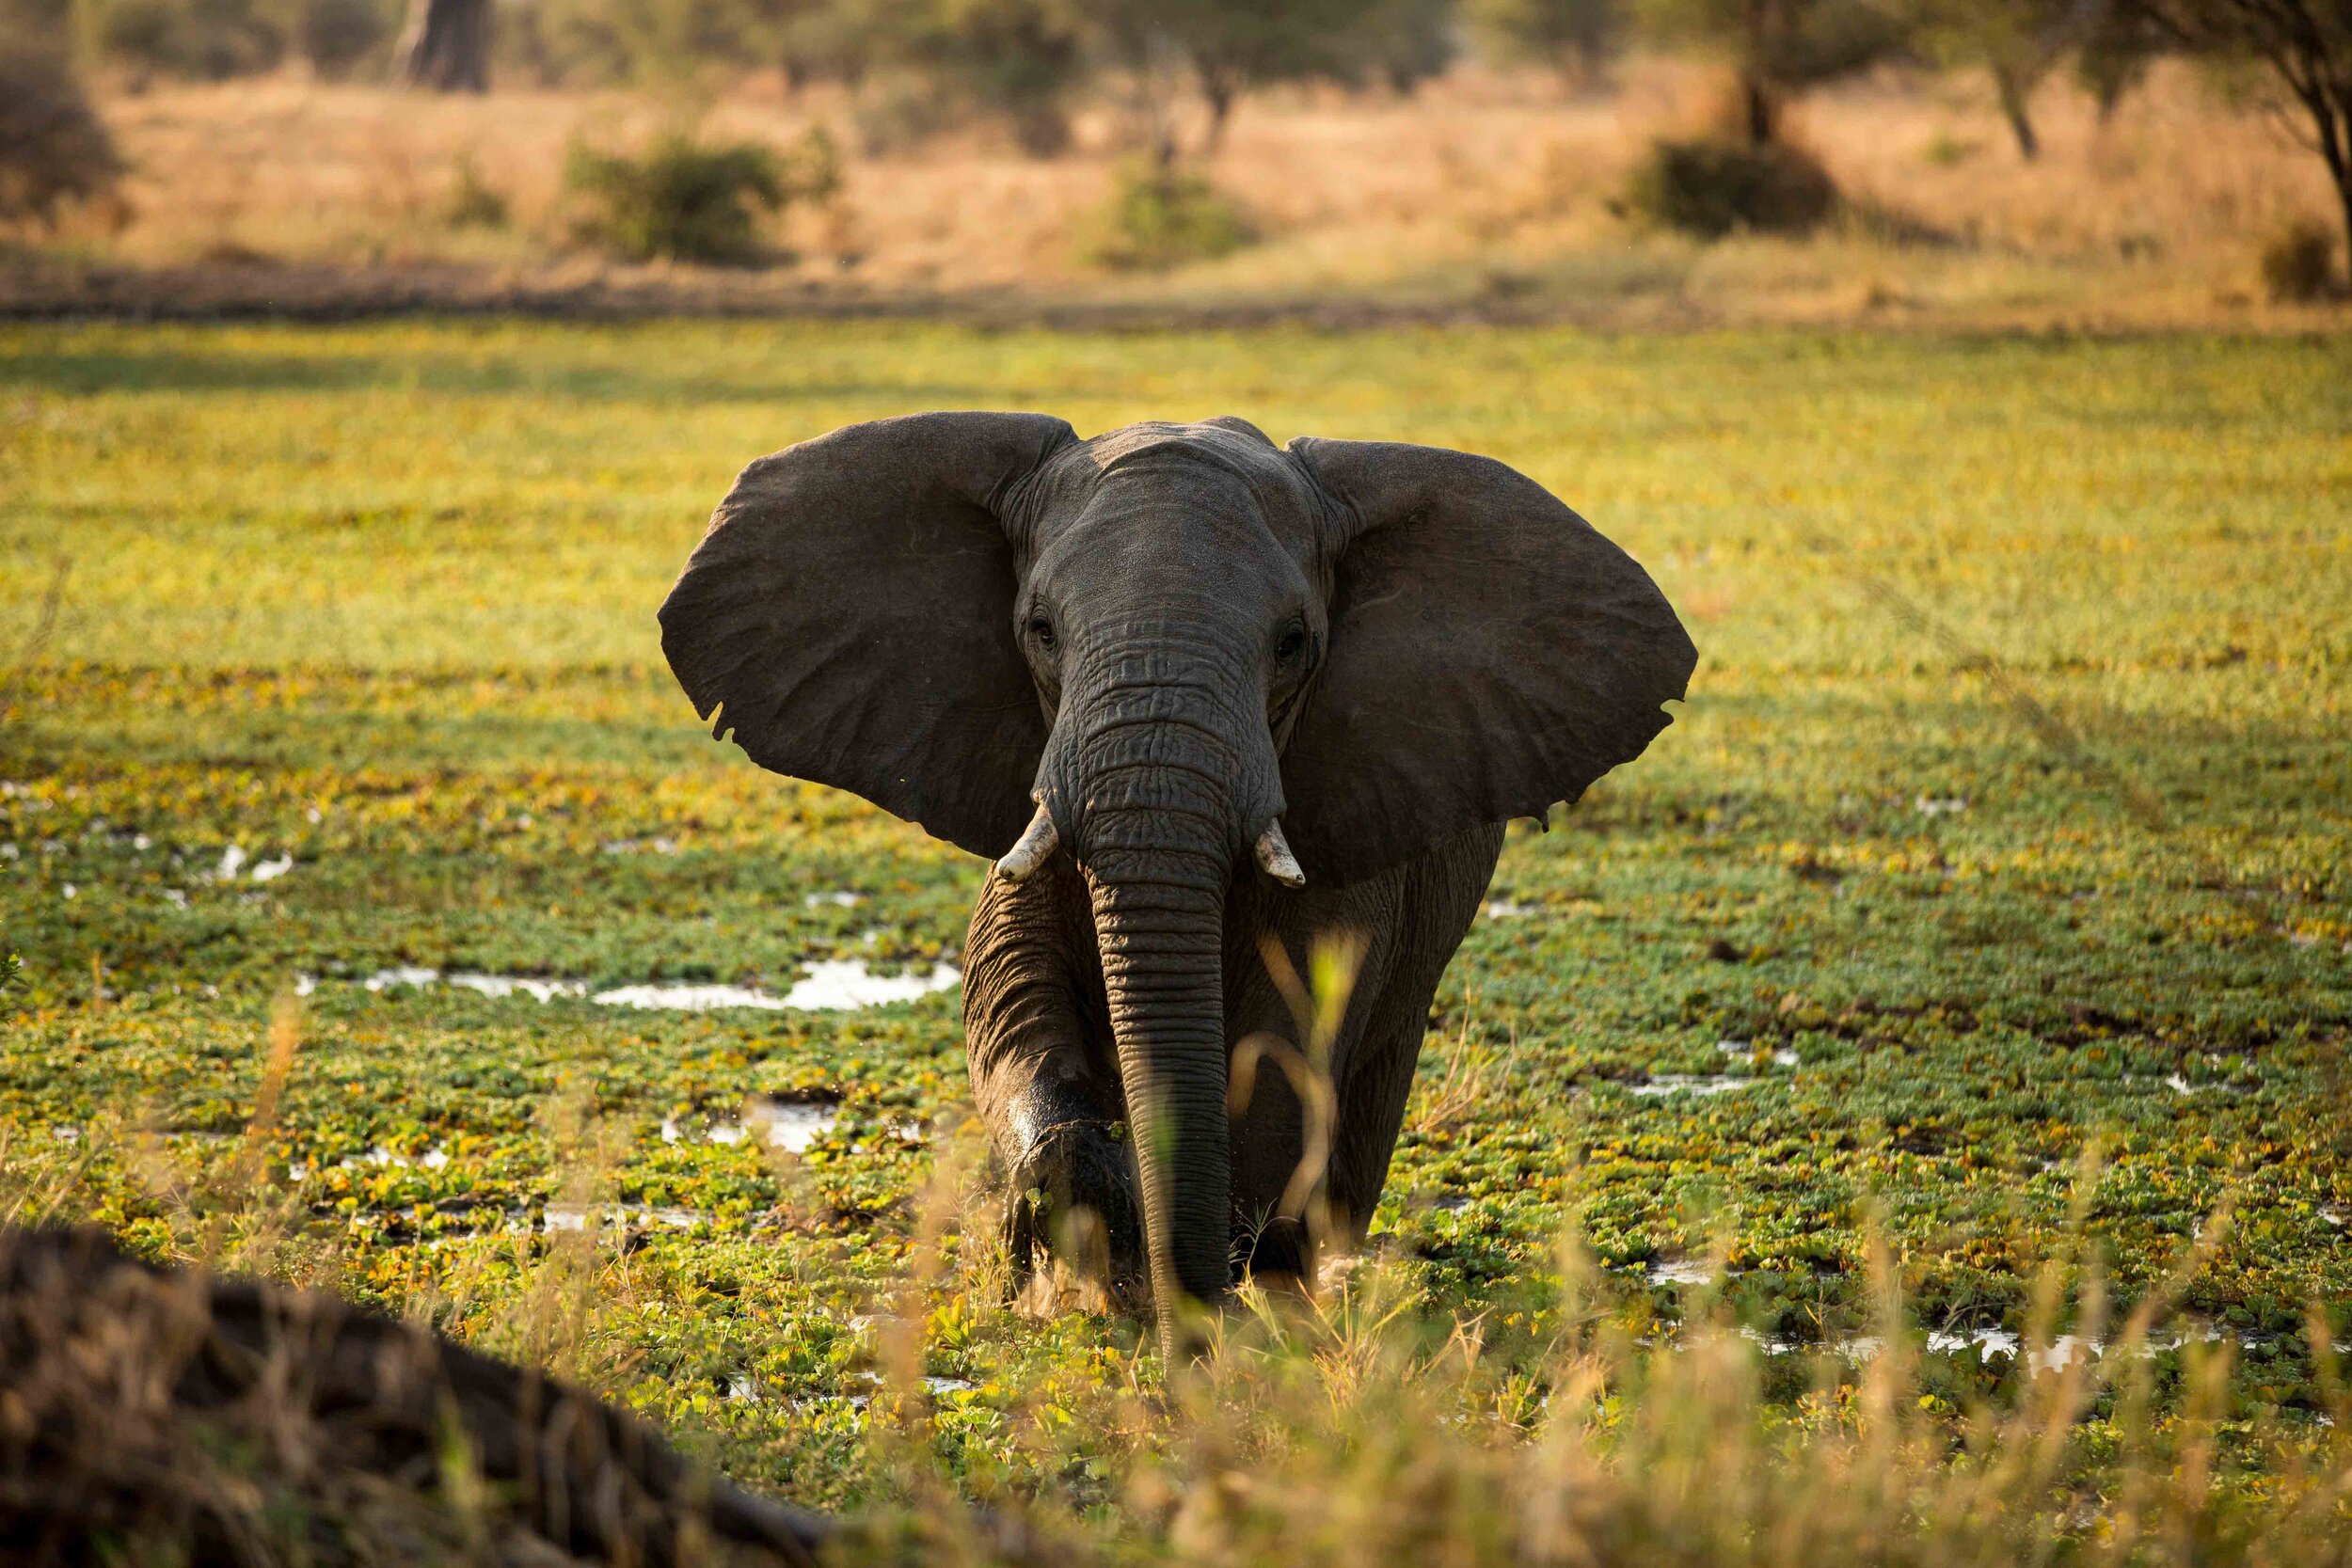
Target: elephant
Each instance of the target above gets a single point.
(1194, 692)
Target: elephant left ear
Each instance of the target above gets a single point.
(1490, 653)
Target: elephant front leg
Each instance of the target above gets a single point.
(1046, 1087)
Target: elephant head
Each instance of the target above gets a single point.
(1168, 652)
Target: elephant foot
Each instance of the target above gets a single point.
(1275, 1254)
(1072, 1197)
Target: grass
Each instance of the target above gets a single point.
(2000, 856)
(1478, 192)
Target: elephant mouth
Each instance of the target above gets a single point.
(1038, 841)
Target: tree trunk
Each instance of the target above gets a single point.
(2344, 192)
(2332, 119)
(2013, 90)
(448, 46)
(1760, 109)
(1220, 88)
(1757, 102)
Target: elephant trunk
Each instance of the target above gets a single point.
(1159, 912)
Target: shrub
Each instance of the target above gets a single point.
(2296, 262)
(1161, 216)
(473, 201)
(688, 201)
(1710, 188)
(210, 39)
(54, 148)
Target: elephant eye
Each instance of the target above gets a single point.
(1042, 629)
(1290, 643)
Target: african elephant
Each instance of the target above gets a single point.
(1131, 666)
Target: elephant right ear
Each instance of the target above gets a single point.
(848, 616)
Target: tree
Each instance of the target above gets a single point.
(1231, 46)
(1575, 37)
(2118, 45)
(1405, 42)
(1020, 58)
(54, 148)
(1778, 47)
(2018, 42)
(2304, 47)
(448, 45)
(1234, 45)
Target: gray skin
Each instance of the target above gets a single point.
(1161, 642)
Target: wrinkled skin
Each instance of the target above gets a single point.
(1153, 646)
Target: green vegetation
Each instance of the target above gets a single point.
(1161, 216)
(2298, 260)
(683, 199)
(54, 148)
(1995, 877)
(1713, 188)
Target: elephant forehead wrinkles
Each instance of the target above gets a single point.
(1187, 466)
(1144, 548)
(1218, 444)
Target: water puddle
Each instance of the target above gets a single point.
(792, 1125)
(831, 984)
(2059, 1354)
(1506, 908)
(686, 996)
(1685, 1271)
(623, 1216)
(232, 865)
(1745, 1050)
(848, 982)
(1691, 1082)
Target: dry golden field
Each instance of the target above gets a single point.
(1478, 195)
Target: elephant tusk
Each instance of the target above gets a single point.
(1274, 854)
(1036, 848)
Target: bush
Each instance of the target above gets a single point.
(687, 201)
(2296, 262)
(209, 39)
(1710, 188)
(1162, 218)
(473, 201)
(54, 148)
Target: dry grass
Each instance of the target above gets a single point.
(1479, 191)
(179, 1416)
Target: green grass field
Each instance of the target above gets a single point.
(2000, 855)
